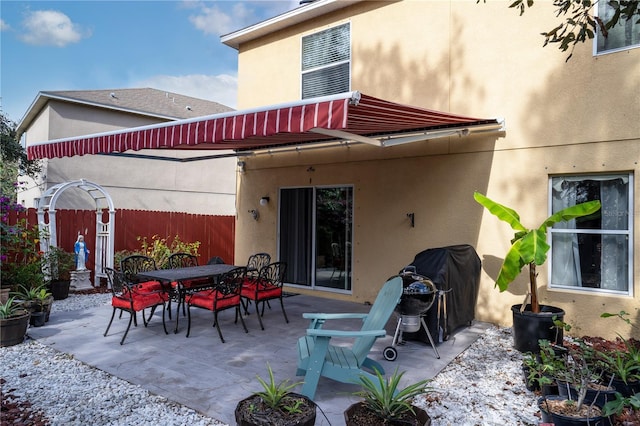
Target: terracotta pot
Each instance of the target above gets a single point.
(13, 330)
(350, 417)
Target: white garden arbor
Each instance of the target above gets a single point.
(105, 231)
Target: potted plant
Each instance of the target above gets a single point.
(275, 405)
(36, 300)
(14, 320)
(531, 322)
(60, 263)
(384, 404)
(623, 410)
(621, 359)
(579, 398)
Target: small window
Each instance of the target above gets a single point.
(625, 34)
(593, 253)
(326, 62)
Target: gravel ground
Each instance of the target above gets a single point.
(482, 386)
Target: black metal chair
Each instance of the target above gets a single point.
(132, 298)
(182, 260)
(256, 262)
(216, 260)
(225, 295)
(130, 266)
(267, 287)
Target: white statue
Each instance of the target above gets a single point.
(81, 253)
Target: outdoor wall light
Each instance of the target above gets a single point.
(264, 201)
(254, 214)
(412, 219)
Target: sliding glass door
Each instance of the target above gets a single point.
(315, 236)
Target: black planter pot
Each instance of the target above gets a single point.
(563, 420)
(38, 318)
(60, 289)
(528, 327)
(601, 397)
(249, 404)
(626, 389)
(13, 330)
(422, 418)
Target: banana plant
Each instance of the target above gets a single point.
(529, 246)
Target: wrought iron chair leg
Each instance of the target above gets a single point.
(259, 316)
(113, 314)
(238, 312)
(283, 311)
(215, 316)
(128, 327)
(164, 324)
(188, 320)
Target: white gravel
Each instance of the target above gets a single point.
(482, 386)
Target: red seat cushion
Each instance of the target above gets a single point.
(205, 299)
(140, 301)
(150, 286)
(265, 291)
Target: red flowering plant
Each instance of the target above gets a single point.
(21, 260)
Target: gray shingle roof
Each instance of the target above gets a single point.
(144, 101)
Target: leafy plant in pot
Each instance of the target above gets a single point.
(529, 247)
(60, 263)
(384, 404)
(275, 405)
(574, 371)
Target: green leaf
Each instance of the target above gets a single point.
(501, 212)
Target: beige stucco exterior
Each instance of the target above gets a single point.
(482, 60)
(200, 187)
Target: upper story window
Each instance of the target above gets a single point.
(326, 62)
(593, 253)
(625, 34)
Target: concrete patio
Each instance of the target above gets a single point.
(211, 377)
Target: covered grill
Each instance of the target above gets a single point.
(418, 295)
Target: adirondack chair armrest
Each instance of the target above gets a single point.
(317, 316)
(318, 319)
(316, 332)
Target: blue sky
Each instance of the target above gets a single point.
(91, 45)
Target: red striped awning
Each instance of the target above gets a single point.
(348, 116)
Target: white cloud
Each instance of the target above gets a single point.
(222, 88)
(51, 28)
(4, 26)
(215, 20)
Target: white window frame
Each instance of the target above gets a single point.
(330, 65)
(597, 36)
(628, 232)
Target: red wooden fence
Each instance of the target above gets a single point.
(215, 233)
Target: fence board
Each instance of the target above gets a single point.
(215, 233)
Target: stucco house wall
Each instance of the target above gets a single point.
(200, 187)
(481, 60)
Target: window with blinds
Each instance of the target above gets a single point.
(326, 62)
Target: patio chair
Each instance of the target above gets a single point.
(216, 260)
(318, 357)
(132, 298)
(225, 295)
(184, 260)
(268, 286)
(130, 266)
(256, 262)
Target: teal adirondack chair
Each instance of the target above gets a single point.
(318, 357)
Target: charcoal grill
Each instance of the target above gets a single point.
(418, 295)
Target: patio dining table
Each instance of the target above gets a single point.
(205, 276)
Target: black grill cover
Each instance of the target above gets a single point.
(455, 269)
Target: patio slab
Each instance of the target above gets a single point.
(211, 377)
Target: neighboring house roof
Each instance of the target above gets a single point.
(308, 10)
(164, 105)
